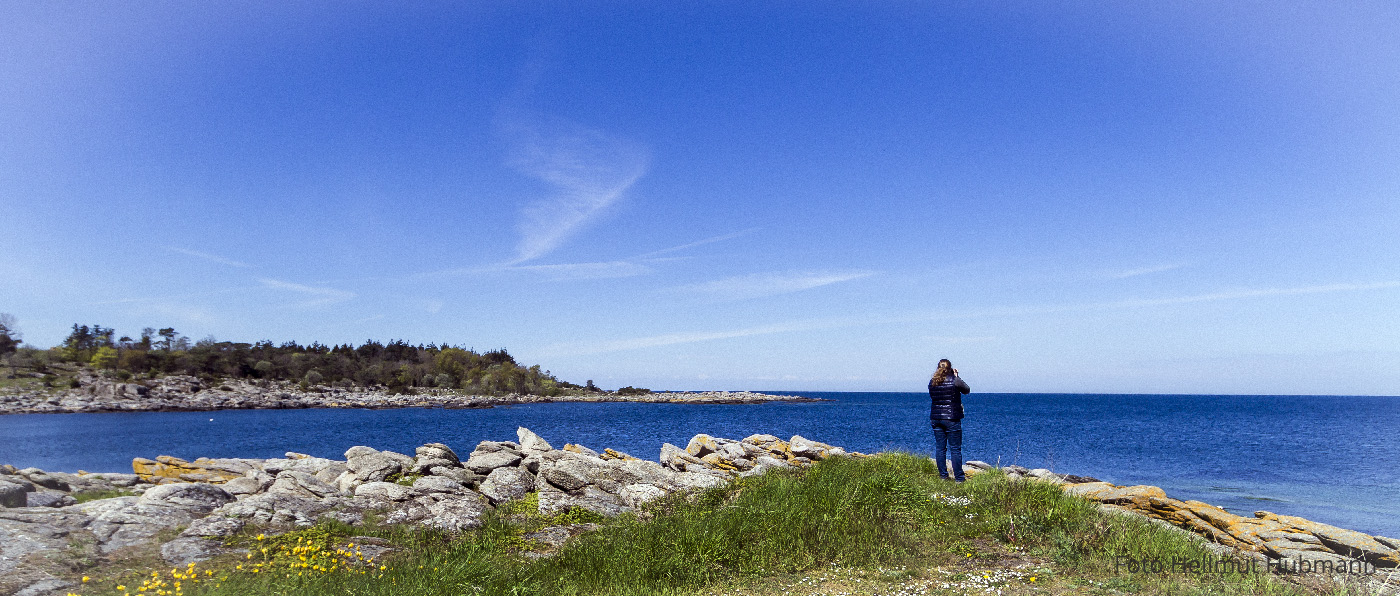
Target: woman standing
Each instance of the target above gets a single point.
(945, 391)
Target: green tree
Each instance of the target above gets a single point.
(105, 357)
(9, 334)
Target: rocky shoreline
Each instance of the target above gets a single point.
(180, 511)
(185, 393)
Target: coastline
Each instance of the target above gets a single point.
(190, 394)
(210, 500)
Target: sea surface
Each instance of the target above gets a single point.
(1330, 459)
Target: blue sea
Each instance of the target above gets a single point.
(1331, 459)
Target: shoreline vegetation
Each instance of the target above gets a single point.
(93, 370)
(761, 516)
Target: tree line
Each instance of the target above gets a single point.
(396, 365)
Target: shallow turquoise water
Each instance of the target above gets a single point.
(1327, 458)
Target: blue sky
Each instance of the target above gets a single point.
(1082, 197)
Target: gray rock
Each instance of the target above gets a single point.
(580, 449)
(698, 481)
(437, 451)
(483, 462)
(45, 479)
(118, 480)
(636, 495)
(567, 473)
(1390, 542)
(359, 450)
(506, 484)
(191, 549)
(424, 465)
(49, 499)
(439, 484)
(804, 447)
(387, 491)
(980, 465)
(12, 494)
(462, 475)
(553, 500)
(129, 521)
(278, 509)
(244, 486)
(301, 483)
(197, 496)
(458, 513)
(375, 466)
(45, 587)
(215, 526)
(531, 442)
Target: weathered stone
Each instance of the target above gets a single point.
(46, 587)
(48, 499)
(214, 526)
(803, 447)
(1348, 543)
(677, 459)
(436, 451)
(45, 480)
(462, 475)
(439, 484)
(277, 509)
(507, 484)
(611, 453)
(572, 473)
(301, 483)
(717, 461)
(128, 521)
(1104, 492)
(373, 466)
(1391, 542)
(197, 496)
(246, 485)
(12, 494)
(701, 445)
(531, 442)
(580, 449)
(553, 500)
(483, 462)
(206, 470)
(693, 480)
(383, 490)
(191, 549)
(458, 513)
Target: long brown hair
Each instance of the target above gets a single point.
(942, 372)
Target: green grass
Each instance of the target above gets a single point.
(887, 519)
(93, 495)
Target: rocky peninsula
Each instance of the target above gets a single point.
(180, 512)
(96, 393)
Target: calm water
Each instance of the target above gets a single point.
(1328, 458)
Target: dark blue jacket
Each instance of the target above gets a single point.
(946, 399)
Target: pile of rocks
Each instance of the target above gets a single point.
(1268, 534)
(213, 498)
(186, 393)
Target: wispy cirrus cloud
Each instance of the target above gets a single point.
(573, 271)
(208, 257)
(619, 345)
(589, 170)
(316, 296)
(703, 242)
(669, 339)
(759, 285)
(1143, 271)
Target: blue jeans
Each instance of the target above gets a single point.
(947, 436)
